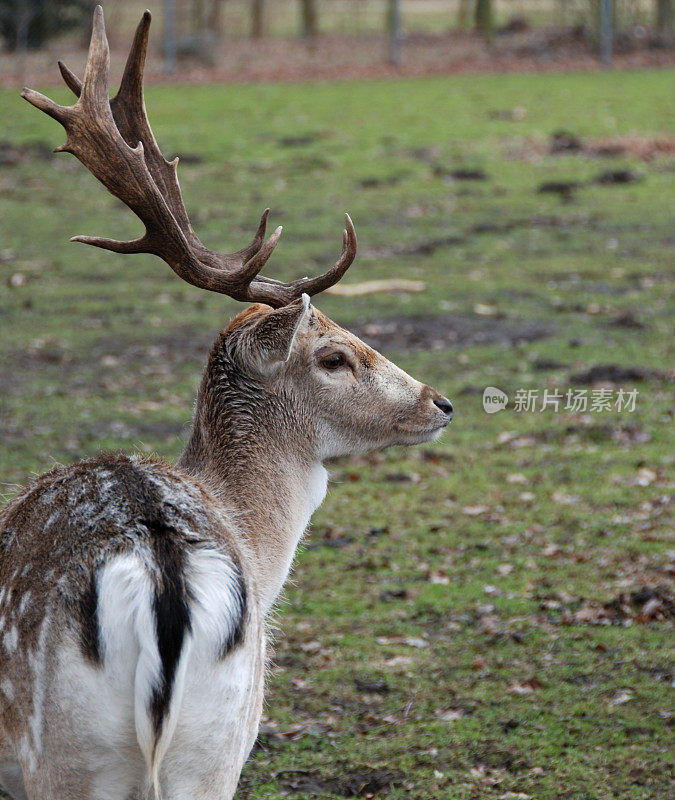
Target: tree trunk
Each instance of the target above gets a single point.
(664, 15)
(395, 32)
(257, 18)
(309, 19)
(216, 16)
(483, 17)
(197, 15)
(463, 14)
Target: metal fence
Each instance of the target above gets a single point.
(213, 33)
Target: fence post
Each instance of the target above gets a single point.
(21, 45)
(169, 36)
(606, 32)
(395, 32)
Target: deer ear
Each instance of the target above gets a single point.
(271, 341)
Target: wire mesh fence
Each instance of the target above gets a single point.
(226, 35)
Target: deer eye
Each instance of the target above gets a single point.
(333, 361)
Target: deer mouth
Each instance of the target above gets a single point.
(420, 434)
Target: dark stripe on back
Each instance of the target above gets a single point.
(90, 638)
(236, 633)
(171, 611)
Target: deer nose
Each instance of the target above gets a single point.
(444, 404)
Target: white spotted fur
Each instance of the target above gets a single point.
(88, 731)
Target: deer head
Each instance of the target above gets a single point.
(345, 396)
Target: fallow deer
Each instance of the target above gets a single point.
(134, 593)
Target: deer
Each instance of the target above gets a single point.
(135, 593)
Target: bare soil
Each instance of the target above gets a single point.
(332, 57)
(439, 331)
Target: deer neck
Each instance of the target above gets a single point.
(252, 458)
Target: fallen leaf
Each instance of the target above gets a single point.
(484, 310)
(399, 661)
(565, 499)
(527, 686)
(552, 550)
(587, 614)
(645, 477)
(414, 641)
(621, 697)
(16, 280)
(474, 511)
(449, 714)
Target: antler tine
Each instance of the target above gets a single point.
(61, 114)
(276, 294)
(95, 82)
(256, 242)
(253, 266)
(318, 284)
(113, 139)
(131, 85)
(70, 78)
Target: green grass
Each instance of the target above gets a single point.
(502, 534)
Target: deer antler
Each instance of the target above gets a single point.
(113, 139)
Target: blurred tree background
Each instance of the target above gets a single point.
(213, 33)
(29, 23)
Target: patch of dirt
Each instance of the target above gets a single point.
(613, 373)
(648, 604)
(564, 188)
(108, 357)
(623, 434)
(644, 148)
(459, 174)
(12, 154)
(426, 247)
(613, 176)
(440, 331)
(387, 180)
(639, 606)
(301, 140)
(335, 56)
(564, 142)
(627, 319)
(361, 782)
(371, 685)
(547, 364)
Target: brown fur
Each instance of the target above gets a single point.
(267, 413)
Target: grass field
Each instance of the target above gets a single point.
(490, 617)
